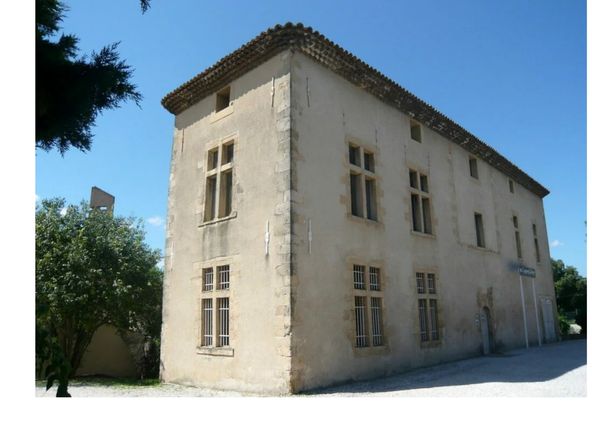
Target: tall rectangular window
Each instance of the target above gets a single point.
(517, 237)
(434, 319)
(208, 279)
(473, 168)
(223, 304)
(371, 199)
(427, 304)
(536, 243)
(211, 185)
(223, 277)
(360, 312)
(362, 181)
(421, 213)
(215, 306)
(423, 320)
(374, 278)
(356, 194)
(376, 312)
(359, 272)
(415, 130)
(479, 230)
(219, 180)
(207, 322)
(368, 332)
(511, 186)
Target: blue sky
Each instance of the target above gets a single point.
(512, 72)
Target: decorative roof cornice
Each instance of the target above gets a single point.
(319, 48)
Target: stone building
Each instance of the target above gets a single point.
(326, 225)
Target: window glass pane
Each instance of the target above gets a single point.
(226, 194)
(356, 194)
(413, 179)
(354, 155)
(427, 215)
(479, 230)
(371, 199)
(473, 168)
(423, 183)
(369, 161)
(212, 159)
(415, 131)
(210, 206)
(415, 213)
(227, 153)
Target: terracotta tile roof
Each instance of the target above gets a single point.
(319, 48)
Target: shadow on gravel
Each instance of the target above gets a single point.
(518, 366)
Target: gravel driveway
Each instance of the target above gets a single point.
(557, 369)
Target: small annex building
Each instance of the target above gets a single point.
(326, 225)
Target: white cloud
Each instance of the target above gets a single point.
(157, 221)
(556, 243)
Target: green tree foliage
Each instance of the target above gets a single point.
(570, 289)
(92, 268)
(71, 90)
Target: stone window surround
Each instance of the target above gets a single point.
(429, 194)
(370, 350)
(437, 296)
(201, 210)
(216, 293)
(365, 147)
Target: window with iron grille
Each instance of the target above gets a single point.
(219, 181)
(374, 278)
(360, 312)
(359, 274)
(208, 279)
(376, 312)
(362, 180)
(223, 306)
(421, 213)
(215, 307)
(223, 277)
(207, 321)
(427, 306)
(368, 296)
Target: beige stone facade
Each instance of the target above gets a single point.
(277, 281)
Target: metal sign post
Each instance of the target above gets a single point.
(524, 312)
(531, 273)
(536, 312)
